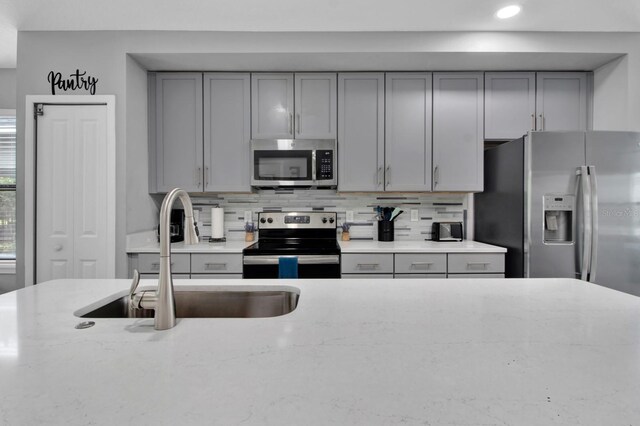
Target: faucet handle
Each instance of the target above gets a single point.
(134, 283)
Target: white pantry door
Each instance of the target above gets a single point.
(71, 192)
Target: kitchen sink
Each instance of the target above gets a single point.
(224, 302)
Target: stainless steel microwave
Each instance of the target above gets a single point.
(294, 162)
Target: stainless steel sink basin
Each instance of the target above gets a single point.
(226, 302)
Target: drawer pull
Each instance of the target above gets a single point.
(215, 265)
(156, 265)
(421, 265)
(367, 266)
(477, 265)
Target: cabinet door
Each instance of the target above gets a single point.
(458, 132)
(315, 106)
(509, 104)
(178, 125)
(272, 106)
(361, 132)
(561, 101)
(227, 110)
(408, 132)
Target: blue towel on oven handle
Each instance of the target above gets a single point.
(288, 267)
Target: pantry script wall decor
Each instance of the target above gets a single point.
(76, 81)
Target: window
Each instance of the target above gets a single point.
(7, 185)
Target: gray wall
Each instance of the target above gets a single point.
(105, 56)
(7, 88)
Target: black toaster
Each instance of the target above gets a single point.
(447, 231)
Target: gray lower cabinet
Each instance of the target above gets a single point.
(361, 131)
(175, 131)
(408, 118)
(458, 135)
(475, 263)
(475, 276)
(422, 276)
(367, 263)
(227, 132)
(420, 263)
(561, 101)
(364, 276)
(189, 265)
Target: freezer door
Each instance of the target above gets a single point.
(615, 157)
(552, 159)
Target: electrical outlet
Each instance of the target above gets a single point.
(349, 215)
(248, 216)
(415, 215)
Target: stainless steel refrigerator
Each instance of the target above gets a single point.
(565, 204)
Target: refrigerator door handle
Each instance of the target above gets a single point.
(583, 174)
(594, 221)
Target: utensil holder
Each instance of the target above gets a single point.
(385, 230)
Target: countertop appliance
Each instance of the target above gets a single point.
(291, 163)
(176, 226)
(447, 231)
(308, 236)
(565, 204)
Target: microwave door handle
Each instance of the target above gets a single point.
(594, 223)
(313, 165)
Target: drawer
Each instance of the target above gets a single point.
(420, 263)
(150, 263)
(374, 276)
(215, 276)
(425, 276)
(367, 263)
(208, 263)
(476, 276)
(475, 263)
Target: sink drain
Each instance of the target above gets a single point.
(85, 324)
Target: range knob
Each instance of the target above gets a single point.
(263, 220)
(270, 220)
(324, 220)
(331, 220)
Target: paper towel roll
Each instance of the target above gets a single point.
(217, 222)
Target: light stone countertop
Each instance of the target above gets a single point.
(364, 352)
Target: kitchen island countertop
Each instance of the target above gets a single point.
(456, 351)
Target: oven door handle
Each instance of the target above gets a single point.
(305, 259)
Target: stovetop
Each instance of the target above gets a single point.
(296, 246)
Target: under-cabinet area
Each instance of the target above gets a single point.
(395, 131)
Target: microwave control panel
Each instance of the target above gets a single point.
(324, 164)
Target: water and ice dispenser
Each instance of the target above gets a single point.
(558, 218)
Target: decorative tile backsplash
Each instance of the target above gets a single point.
(431, 207)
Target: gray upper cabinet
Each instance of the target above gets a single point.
(315, 106)
(272, 106)
(275, 114)
(361, 132)
(176, 142)
(408, 132)
(561, 101)
(227, 110)
(509, 104)
(458, 131)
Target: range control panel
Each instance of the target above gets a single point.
(324, 164)
(297, 220)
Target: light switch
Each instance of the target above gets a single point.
(247, 216)
(349, 215)
(415, 215)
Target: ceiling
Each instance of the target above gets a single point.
(308, 15)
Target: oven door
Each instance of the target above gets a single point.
(309, 266)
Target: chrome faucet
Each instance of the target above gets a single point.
(162, 301)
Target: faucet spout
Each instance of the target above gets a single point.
(164, 302)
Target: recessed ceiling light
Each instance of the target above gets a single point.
(508, 11)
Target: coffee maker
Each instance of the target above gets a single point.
(176, 227)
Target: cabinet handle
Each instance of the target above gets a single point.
(541, 122)
(379, 175)
(298, 123)
(427, 265)
(533, 122)
(206, 177)
(367, 265)
(199, 176)
(435, 177)
(156, 265)
(475, 265)
(215, 265)
(291, 123)
(388, 176)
